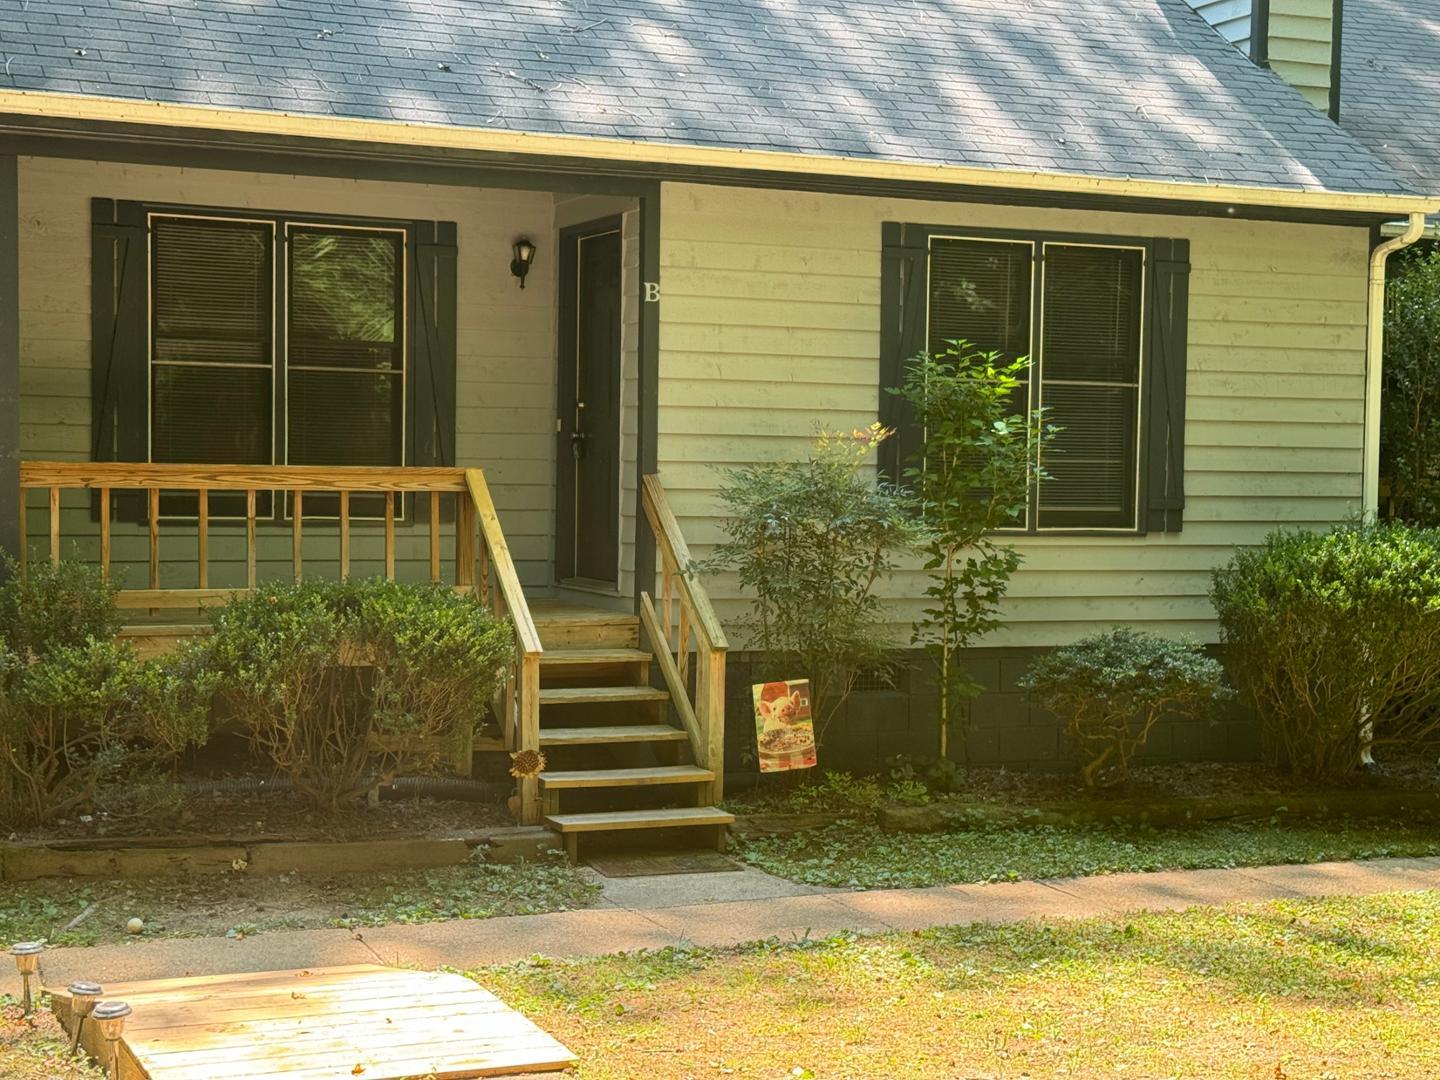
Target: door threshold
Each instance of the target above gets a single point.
(587, 585)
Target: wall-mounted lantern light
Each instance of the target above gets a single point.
(524, 256)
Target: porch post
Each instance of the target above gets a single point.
(649, 377)
(9, 354)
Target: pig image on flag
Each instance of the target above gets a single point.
(784, 731)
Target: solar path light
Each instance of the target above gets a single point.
(27, 962)
(110, 1015)
(83, 996)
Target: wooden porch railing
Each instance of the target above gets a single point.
(484, 569)
(686, 623)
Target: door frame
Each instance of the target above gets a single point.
(565, 519)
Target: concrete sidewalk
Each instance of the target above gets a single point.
(639, 915)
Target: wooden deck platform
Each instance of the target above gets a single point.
(370, 1022)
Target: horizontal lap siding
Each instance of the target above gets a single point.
(1300, 46)
(770, 330)
(505, 357)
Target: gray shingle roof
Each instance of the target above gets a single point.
(1390, 84)
(1131, 88)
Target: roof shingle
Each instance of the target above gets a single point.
(1129, 88)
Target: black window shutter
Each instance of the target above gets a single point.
(119, 377)
(433, 294)
(1165, 420)
(903, 275)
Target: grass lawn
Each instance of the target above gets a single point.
(863, 856)
(238, 904)
(1279, 991)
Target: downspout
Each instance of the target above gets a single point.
(1374, 356)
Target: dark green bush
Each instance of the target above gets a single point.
(337, 682)
(64, 603)
(88, 726)
(1331, 633)
(1410, 395)
(1111, 689)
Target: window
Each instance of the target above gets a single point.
(252, 338)
(1102, 320)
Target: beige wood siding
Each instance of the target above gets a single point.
(1300, 51)
(770, 329)
(505, 348)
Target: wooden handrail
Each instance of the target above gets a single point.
(501, 563)
(132, 475)
(675, 633)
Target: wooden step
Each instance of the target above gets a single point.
(586, 695)
(612, 778)
(639, 819)
(563, 626)
(621, 733)
(583, 657)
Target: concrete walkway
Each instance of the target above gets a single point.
(724, 909)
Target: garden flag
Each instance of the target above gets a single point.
(783, 728)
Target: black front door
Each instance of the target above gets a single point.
(587, 537)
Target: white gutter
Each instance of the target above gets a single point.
(42, 104)
(1374, 356)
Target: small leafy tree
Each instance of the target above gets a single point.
(1111, 689)
(1410, 394)
(971, 476)
(811, 539)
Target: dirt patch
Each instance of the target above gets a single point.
(282, 816)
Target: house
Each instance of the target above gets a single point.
(568, 258)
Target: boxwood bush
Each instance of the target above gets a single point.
(1331, 634)
(1111, 689)
(336, 683)
(84, 724)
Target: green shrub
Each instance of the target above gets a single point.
(1111, 689)
(811, 540)
(1331, 633)
(337, 682)
(1410, 395)
(939, 774)
(88, 726)
(64, 603)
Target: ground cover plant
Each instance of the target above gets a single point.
(65, 912)
(1334, 639)
(1279, 991)
(863, 856)
(36, 1048)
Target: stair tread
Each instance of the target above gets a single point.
(610, 733)
(662, 774)
(639, 819)
(579, 695)
(595, 656)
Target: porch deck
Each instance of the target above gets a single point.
(589, 668)
(324, 1024)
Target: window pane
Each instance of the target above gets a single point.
(344, 418)
(344, 300)
(1090, 377)
(211, 333)
(980, 293)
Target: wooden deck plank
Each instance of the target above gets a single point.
(640, 819)
(379, 1023)
(590, 695)
(611, 733)
(603, 778)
